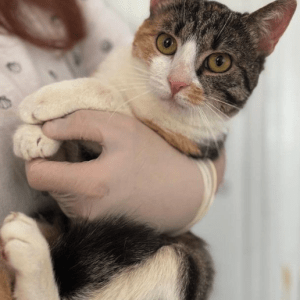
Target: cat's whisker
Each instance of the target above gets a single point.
(217, 111)
(208, 123)
(225, 103)
(145, 72)
(206, 127)
(138, 75)
(138, 78)
(139, 84)
(131, 89)
(126, 102)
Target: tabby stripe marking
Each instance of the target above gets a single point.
(246, 79)
(231, 98)
(193, 279)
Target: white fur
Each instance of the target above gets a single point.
(30, 142)
(157, 278)
(124, 84)
(28, 254)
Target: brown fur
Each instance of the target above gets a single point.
(143, 46)
(177, 140)
(5, 281)
(195, 95)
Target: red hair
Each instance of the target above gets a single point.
(24, 18)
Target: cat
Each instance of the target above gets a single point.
(191, 67)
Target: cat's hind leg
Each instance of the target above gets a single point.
(27, 252)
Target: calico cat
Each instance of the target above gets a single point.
(192, 66)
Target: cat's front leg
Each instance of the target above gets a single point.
(59, 99)
(27, 252)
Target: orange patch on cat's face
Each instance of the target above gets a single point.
(194, 94)
(144, 42)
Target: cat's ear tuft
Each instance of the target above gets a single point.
(271, 22)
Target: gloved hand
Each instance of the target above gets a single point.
(138, 173)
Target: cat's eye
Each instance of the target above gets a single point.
(166, 44)
(219, 62)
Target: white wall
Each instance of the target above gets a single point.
(254, 225)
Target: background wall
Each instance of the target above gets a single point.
(254, 226)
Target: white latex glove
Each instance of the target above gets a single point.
(138, 173)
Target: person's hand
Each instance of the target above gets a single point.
(138, 173)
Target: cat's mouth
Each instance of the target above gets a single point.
(188, 96)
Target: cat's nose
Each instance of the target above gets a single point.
(176, 86)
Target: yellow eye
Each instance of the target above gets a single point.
(219, 62)
(166, 44)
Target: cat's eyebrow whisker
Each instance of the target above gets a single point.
(175, 8)
(183, 12)
(223, 28)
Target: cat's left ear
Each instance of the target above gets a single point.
(271, 22)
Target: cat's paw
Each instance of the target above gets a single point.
(30, 142)
(24, 247)
(49, 102)
(27, 252)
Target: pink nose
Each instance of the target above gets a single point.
(176, 86)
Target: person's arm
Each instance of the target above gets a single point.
(138, 173)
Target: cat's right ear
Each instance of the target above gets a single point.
(270, 22)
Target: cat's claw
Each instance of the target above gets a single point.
(30, 142)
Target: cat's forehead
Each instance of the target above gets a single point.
(201, 21)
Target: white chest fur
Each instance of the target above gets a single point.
(138, 84)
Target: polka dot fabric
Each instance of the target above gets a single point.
(25, 68)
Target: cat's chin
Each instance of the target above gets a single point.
(179, 102)
(183, 102)
(173, 101)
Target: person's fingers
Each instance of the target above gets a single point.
(65, 177)
(97, 126)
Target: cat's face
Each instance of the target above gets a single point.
(201, 55)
